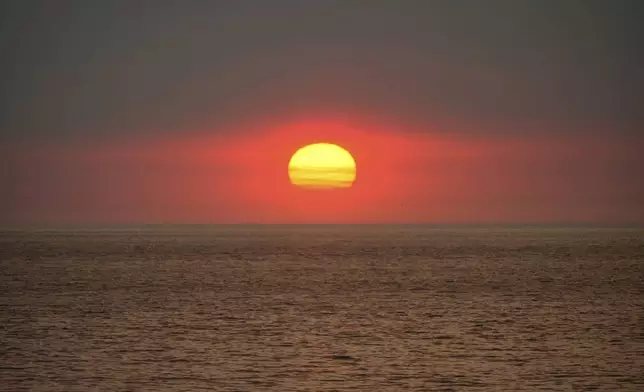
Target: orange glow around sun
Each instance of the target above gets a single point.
(264, 174)
(322, 166)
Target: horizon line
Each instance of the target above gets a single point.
(152, 225)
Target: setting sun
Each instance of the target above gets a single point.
(322, 165)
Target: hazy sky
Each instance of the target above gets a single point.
(95, 76)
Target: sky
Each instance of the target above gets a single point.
(456, 111)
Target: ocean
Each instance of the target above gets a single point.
(321, 308)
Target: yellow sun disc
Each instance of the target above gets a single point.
(322, 165)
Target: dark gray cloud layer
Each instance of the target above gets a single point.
(90, 68)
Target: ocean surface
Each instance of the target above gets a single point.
(321, 308)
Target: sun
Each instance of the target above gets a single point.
(322, 166)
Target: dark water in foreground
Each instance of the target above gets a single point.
(321, 309)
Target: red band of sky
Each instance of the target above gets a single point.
(402, 177)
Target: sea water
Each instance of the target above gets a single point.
(321, 308)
